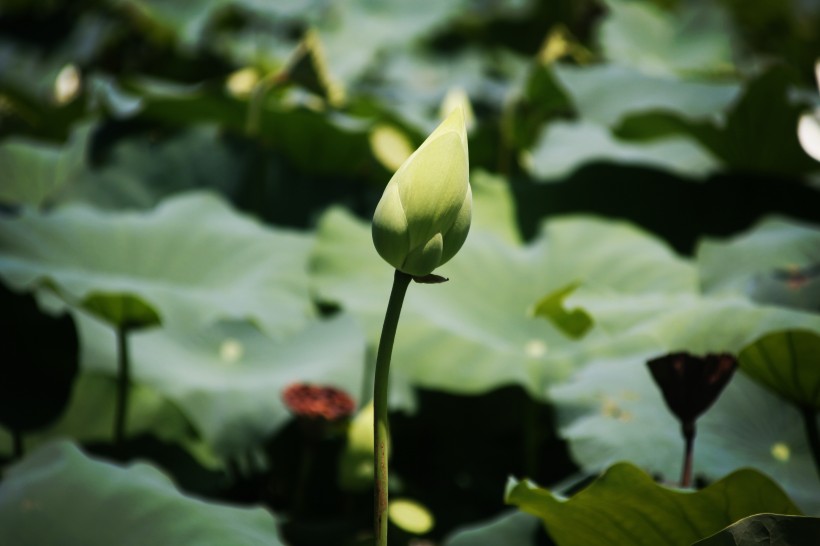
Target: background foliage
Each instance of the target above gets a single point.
(212, 165)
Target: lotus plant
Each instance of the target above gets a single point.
(690, 385)
(420, 223)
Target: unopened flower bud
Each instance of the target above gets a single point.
(424, 214)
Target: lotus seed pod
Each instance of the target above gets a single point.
(424, 214)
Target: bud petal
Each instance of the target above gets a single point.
(424, 215)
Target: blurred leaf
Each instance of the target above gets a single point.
(575, 323)
(89, 416)
(611, 411)
(139, 171)
(655, 514)
(772, 263)
(102, 504)
(563, 147)
(767, 530)
(193, 258)
(541, 99)
(316, 142)
(356, 35)
(228, 377)
(761, 129)
(513, 529)
(412, 84)
(788, 363)
(590, 89)
(493, 206)
(183, 19)
(121, 310)
(32, 172)
(41, 360)
(695, 38)
(475, 329)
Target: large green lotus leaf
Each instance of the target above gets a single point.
(591, 90)
(775, 262)
(563, 147)
(228, 377)
(476, 330)
(57, 495)
(89, 416)
(767, 530)
(626, 506)
(513, 529)
(788, 362)
(611, 410)
(192, 258)
(33, 171)
(696, 38)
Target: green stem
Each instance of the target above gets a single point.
(123, 386)
(381, 428)
(689, 439)
(812, 434)
(253, 122)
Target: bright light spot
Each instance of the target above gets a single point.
(611, 409)
(241, 83)
(526, 160)
(67, 84)
(781, 452)
(390, 146)
(631, 396)
(231, 351)
(808, 132)
(410, 516)
(535, 348)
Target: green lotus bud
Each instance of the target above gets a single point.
(424, 215)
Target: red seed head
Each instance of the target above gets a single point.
(317, 402)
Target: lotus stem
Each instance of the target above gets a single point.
(123, 386)
(689, 439)
(381, 425)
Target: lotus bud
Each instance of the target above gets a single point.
(424, 214)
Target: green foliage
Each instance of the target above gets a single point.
(101, 504)
(121, 310)
(574, 323)
(637, 182)
(625, 506)
(33, 172)
(787, 363)
(192, 258)
(227, 377)
(766, 529)
(514, 529)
